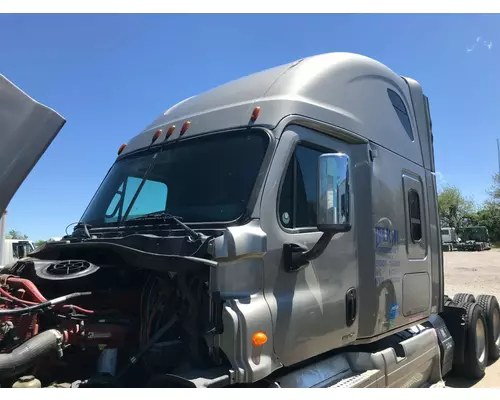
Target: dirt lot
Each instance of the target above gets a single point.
(476, 273)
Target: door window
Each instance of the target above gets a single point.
(297, 202)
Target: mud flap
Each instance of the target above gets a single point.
(454, 318)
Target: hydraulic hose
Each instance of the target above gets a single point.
(148, 345)
(40, 306)
(33, 290)
(26, 284)
(23, 356)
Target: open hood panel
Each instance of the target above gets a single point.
(109, 253)
(27, 128)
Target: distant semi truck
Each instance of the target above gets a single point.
(475, 238)
(12, 249)
(449, 235)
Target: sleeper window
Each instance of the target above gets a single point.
(401, 111)
(415, 218)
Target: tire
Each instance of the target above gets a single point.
(464, 298)
(447, 301)
(491, 310)
(476, 343)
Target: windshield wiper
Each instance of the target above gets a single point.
(164, 216)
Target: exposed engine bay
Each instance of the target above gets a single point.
(76, 323)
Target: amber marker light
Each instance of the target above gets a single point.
(259, 339)
(255, 114)
(155, 136)
(170, 131)
(185, 127)
(122, 147)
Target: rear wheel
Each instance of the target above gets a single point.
(447, 300)
(464, 298)
(491, 310)
(476, 342)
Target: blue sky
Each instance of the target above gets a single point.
(110, 75)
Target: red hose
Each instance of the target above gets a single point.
(30, 286)
(9, 296)
(78, 308)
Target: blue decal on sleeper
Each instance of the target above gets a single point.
(386, 240)
(393, 311)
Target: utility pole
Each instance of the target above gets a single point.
(498, 149)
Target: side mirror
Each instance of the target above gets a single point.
(333, 199)
(333, 193)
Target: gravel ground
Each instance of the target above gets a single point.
(476, 273)
(472, 272)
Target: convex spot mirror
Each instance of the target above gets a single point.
(333, 193)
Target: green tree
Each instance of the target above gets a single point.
(494, 190)
(454, 207)
(39, 243)
(489, 214)
(13, 234)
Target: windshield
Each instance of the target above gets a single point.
(205, 179)
(28, 248)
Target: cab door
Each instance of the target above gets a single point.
(314, 309)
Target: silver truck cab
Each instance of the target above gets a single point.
(261, 139)
(310, 190)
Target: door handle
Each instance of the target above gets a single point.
(351, 306)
